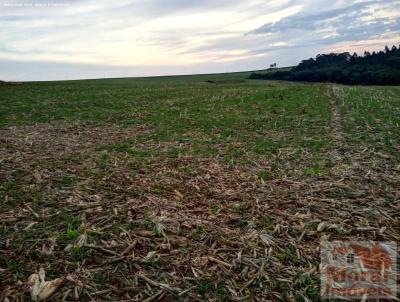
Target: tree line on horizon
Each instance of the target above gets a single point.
(376, 68)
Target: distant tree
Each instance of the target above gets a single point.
(354, 58)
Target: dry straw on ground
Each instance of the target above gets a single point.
(178, 229)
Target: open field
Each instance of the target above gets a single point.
(179, 189)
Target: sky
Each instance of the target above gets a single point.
(77, 39)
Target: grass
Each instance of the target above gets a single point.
(195, 117)
(371, 117)
(163, 186)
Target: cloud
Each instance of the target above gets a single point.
(311, 22)
(361, 20)
(155, 36)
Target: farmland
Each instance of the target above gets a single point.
(191, 188)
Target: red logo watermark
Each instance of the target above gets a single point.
(358, 270)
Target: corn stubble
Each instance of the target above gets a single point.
(116, 224)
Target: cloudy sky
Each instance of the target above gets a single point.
(72, 39)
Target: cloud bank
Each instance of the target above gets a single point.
(72, 39)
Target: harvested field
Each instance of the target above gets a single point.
(173, 189)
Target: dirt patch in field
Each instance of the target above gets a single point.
(76, 136)
(36, 145)
(225, 81)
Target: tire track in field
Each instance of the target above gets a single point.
(337, 129)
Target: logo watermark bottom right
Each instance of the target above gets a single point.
(358, 269)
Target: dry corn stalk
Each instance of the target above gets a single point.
(39, 288)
